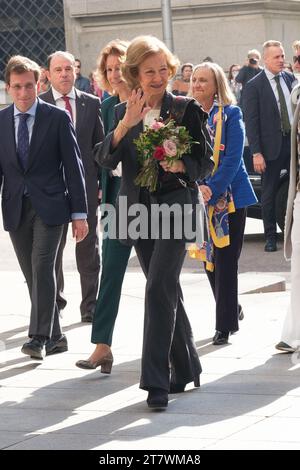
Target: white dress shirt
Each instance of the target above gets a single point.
(61, 104)
(151, 116)
(30, 121)
(286, 92)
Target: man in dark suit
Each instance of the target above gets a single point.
(42, 181)
(86, 115)
(268, 117)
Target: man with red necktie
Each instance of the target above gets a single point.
(85, 113)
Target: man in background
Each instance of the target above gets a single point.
(85, 112)
(249, 70)
(268, 117)
(81, 83)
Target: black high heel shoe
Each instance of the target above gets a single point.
(157, 399)
(179, 388)
(241, 313)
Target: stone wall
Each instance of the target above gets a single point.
(224, 30)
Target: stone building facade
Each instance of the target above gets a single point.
(222, 29)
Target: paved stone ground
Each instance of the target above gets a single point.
(249, 394)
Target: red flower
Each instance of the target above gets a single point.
(159, 153)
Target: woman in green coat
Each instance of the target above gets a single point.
(115, 256)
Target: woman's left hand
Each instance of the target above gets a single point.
(177, 166)
(206, 192)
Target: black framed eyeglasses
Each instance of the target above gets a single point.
(296, 58)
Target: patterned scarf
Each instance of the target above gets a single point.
(217, 215)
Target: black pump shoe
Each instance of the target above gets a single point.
(241, 313)
(221, 337)
(179, 388)
(157, 399)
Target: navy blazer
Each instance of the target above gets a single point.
(54, 177)
(262, 117)
(89, 131)
(194, 119)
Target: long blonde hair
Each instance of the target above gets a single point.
(117, 47)
(224, 93)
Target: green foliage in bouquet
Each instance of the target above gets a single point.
(160, 141)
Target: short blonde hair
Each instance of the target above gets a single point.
(271, 43)
(253, 52)
(117, 47)
(140, 49)
(224, 93)
(296, 46)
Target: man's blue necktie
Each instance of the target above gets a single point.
(23, 139)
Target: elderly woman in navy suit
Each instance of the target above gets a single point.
(227, 194)
(169, 358)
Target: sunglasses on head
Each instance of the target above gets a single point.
(296, 58)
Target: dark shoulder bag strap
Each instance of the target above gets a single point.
(178, 108)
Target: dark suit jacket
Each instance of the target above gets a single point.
(194, 120)
(89, 131)
(262, 117)
(54, 177)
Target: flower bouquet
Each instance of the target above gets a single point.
(160, 141)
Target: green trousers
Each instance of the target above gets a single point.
(115, 258)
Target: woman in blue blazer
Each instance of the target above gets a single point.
(227, 193)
